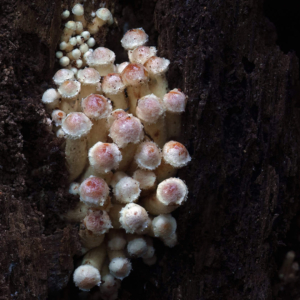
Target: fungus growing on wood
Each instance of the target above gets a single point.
(62, 75)
(119, 266)
(102, 59)
(97, 221)
(116, 239)
(141, 54)
(127, 190)
(51, 99)
(103, 16)
(146, 179)
(134, 38)
(69, 91)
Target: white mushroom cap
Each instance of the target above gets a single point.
(134, 218)
(62, 75)
(76, 53)
(84, 48)
(172, 191)
(71, 25)
(57, 116)
(101, 57)
(91, 42)
(125, 130)
(79, 27)
(79, 63)
(164, 226)
(157, 65)
(175, 101)
(63, 45)
(59, 54)
(150, 108)
(137, 247)
(64, 61)
(96, 106)
(60, 133)
(105, 15)
(114, 115)
(94, 191)
(175, 154)
(122, 66)
(134, 38)
(141, 54)
(104, 157)
(86, 277)
(113, 84)
(134, 75)
(97, 221)
(78, 10)
(120, 267)
(69, 89)
(76, 125)
(148, 156)
(51, 97)
(65, 14)
(79, 39)
(74, 188)
(145, 178)
(116, 239)
(86, 35)
(127, 190)
(72, 41)
(88, 76)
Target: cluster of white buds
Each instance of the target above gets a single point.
(118, 150)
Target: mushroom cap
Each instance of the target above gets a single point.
(105, 15)
(113, 84)
(104, 157)
(71, 25)
(175, 101)
(88, 76)
(74, 188)
(141, 54)
(172, 191)
(145, 178)
(69, 88)
(51, 96)
(137, 247)
(134, 218)
(150, 108)
(76, 125)
(62, 75)
(57, 116)
(86, 277)
(97, 221)
(94, 191)
(122, 66)
(101, 57)
(134, 38)
(115, 115)
(148, 156)
(175, 154)
(127, 190)
(78, 9)
(157, 65)
(117, 177)
(96, 106)
(120, 267)
(134, 75)
(164, 225)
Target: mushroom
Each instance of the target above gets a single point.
(134, 38)
(69, 91)
(127, 190)
(119, 266)
(51, 99)
(78, 12)
(103, 16)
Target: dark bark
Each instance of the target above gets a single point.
(241, 127)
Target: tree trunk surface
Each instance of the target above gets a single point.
(241, 128)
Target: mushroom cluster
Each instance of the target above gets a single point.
(119, 123)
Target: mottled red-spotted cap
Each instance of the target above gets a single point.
(141, 54)
(125, 130)
(97, 221)
(104, 157)
(157, 65)
(113, 84)
(88, 76)
(101, 57)
(96, 106)
(94, 191)
(150, 108)
(148, 156)
(62, 75)
(76, 124)
(172, 191)
(175, 101)
(134, 75)
(57, 116)
(175, 154)
(69, 88)
(134, 38)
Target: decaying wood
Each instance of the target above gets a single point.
(241, 127)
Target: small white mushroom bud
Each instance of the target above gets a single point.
(102, 59)
(87, 275)
(103, 16)
(127, 190)
(175, 102)
(78, 12)
(122, 66)
(91, 42)
(76, 54)
(104, 157)
(74, 70)
(57, 116)
(60, 133)
(151, 111)
(74, 188)
(116, 239)
(62, 75)
(65, 14)
(148, 156)
(86, 35)
(51, 98)
(80, 40)
(163, 226)
(73, 41)
(141, 54)
(84, 48)
(97, 221)
(78, 63)
(59, 54)
(175, 156)
(64, 61)
(157, 68)
(170, 194)
(79, 28)
(94, 192)
(69, 30)
(120, 266)
(135, 77)
(137, 247)
(134, 38)
(134, 219)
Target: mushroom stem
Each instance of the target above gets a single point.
(92, 172)
(90, 240)
(114, 214)
(98, 132)
(77, 214)
(134, 94)
(165, 171)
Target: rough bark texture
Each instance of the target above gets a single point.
(241, 127)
